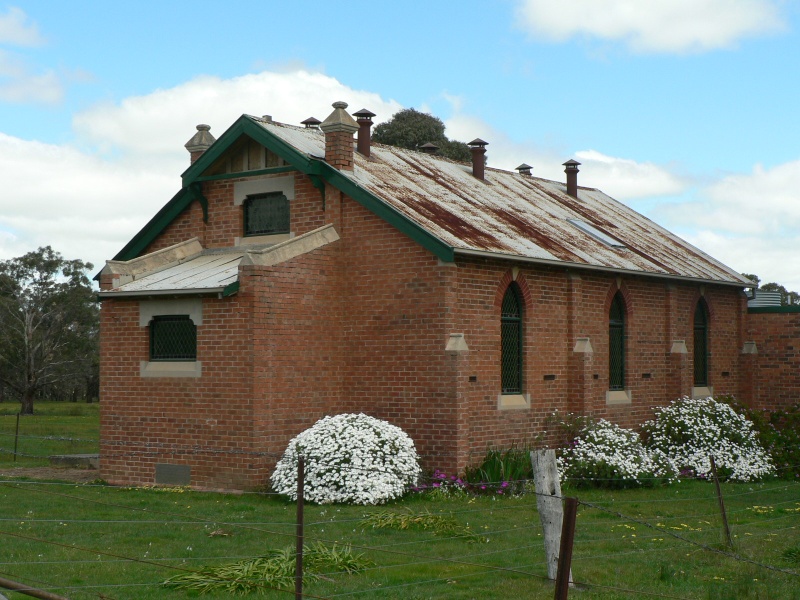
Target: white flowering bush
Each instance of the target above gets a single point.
(689, 431)
(349, 458)
(607, 455)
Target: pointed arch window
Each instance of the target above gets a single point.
(616, 343)
(511, 341)
(701, 345)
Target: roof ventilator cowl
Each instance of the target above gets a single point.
(311, 123)
(364, 118)
(478, 148)
(571, 169)
(200, 142)
(429, 148)
(524, 170)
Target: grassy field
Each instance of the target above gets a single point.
(96, 541)
(55, 428)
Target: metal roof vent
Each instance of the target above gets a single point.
(571, 169)
(524, 170)
(429, 148)
(364, 120)
(478, 147)
(311, 123)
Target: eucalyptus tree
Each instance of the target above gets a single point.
(48, 324)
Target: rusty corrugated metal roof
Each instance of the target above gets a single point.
(513, 215)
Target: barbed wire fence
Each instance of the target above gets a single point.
(405, 556)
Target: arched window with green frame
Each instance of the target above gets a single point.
(511, 341)
(616, 343)
(701, 344)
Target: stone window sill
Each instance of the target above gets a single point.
(170, 369)
(513, 401)
(618, 397)
(702, 392)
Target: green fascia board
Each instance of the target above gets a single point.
(245, 125)
(765, 310)
(156, 225)
(315, 168)
(230, 289)
(383, 210)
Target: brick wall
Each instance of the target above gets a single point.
(774, 372)
(361, 325)
(225, 220)
(394, 330)
(204, 422)
(561, 307)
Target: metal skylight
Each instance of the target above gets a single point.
(597, 234)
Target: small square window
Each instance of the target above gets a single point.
(173, 338)
(266, 214)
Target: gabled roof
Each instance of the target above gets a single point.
(442, 206)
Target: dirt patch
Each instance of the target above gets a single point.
(52, 474)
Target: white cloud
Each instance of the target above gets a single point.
(88, 200)
(619, 177)
(749, 221)
(44, 88)
(83, 206)
(659, 26)
(624, 178)
(17, 31)
(18, 82)
(768, 257)
(765, 202)
(161, 122)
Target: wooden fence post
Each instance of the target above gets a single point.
(564, 576)
(298, 568)
(548, 503)
(721, 502)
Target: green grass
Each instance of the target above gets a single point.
(54, 428)
(89, 542)
(125, 542)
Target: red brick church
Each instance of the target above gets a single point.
(300, 273)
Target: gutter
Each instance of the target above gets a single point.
(569, 265)
(220, 291)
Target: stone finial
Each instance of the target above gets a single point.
(339, 120)
(339, 128)
(200, 142)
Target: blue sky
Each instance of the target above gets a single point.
(684, 109)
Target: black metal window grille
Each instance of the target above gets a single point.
(173, 337)
(266, 214)
(511, 342)
(616, 344)
(700, 345)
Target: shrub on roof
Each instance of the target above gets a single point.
(349, 458)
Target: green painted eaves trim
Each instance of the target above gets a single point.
(268, 171)
(764, 310)
(245, 125)
(318, 171)
(315, 168)
(383, 210)
(156, 225)
(230, 289)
